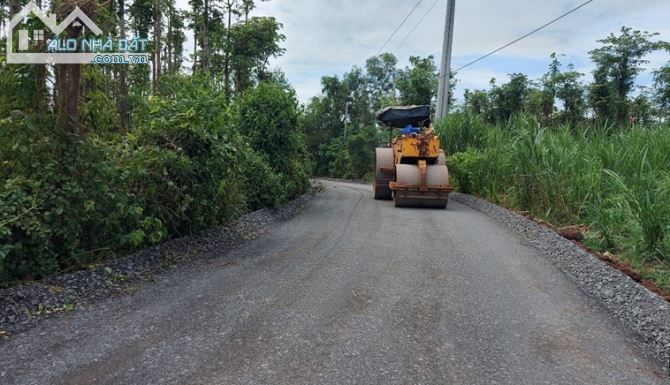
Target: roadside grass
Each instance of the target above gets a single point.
(615, 182)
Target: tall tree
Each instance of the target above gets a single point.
(175, 39)
(158, 26)
(476, 102)
(230, 9)
(564, 86)
(247, 6)
(509, 99)
(141, 14)
(253, 44)
(547, 95)
(206, 40)
(662, 91)
(382, 72)
(641, 109)
(570, 91)
(123, 103)
(196, 21)
(618, 62)
(68, 75)
(417, 83)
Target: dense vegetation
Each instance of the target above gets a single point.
(100, 160)
(595, 155)
(614, 182)
(124, 158)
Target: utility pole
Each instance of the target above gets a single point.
(345, 119)
(445, 68)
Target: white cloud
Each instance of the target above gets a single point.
(479, 78)
(326, 37)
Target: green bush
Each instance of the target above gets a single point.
(465, 170)
(268, 117)
(190, 162)
(264, 187)
(64, 202)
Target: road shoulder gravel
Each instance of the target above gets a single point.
(638, 309)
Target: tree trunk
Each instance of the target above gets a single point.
(122, 101)
(170, 66)
(157, 44)
(67, 91)
(67, 105)
(195, 51)
(40, 97)
(14, 7)
(41, 94)
(226, 65)
(205, 38)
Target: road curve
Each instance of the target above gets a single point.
(351, 291)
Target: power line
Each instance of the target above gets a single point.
(400, 26)
(522, 37)
(417, 24)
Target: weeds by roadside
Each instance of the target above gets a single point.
(614, 182)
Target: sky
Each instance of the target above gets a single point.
(328, 37)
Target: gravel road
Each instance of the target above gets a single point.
(350, 291)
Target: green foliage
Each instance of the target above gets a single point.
(139, 164)
(17, 83)
(465, 130)
(268, 116)
(348, 105)
(262, 185)
(476, 102)
(176, 37)
(98, 110)
(465, 170)
(508, 99)
(353, 159)
(661, 92)
(570, 91)
(382, 71)
(559, 97)
(253, 43)
(618, 62)
(196, 160)
(417, 84)
(64, 202)
(190, 163)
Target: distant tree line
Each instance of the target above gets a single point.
(560, 96)
(231, 47)
(340, 123)
(348, 104)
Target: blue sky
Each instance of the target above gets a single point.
(328, 37)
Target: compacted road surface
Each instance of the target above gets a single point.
(350, 291)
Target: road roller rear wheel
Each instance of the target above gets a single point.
(384, 167)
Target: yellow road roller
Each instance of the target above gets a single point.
(412, 170)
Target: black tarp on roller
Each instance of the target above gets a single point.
(399, 117)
